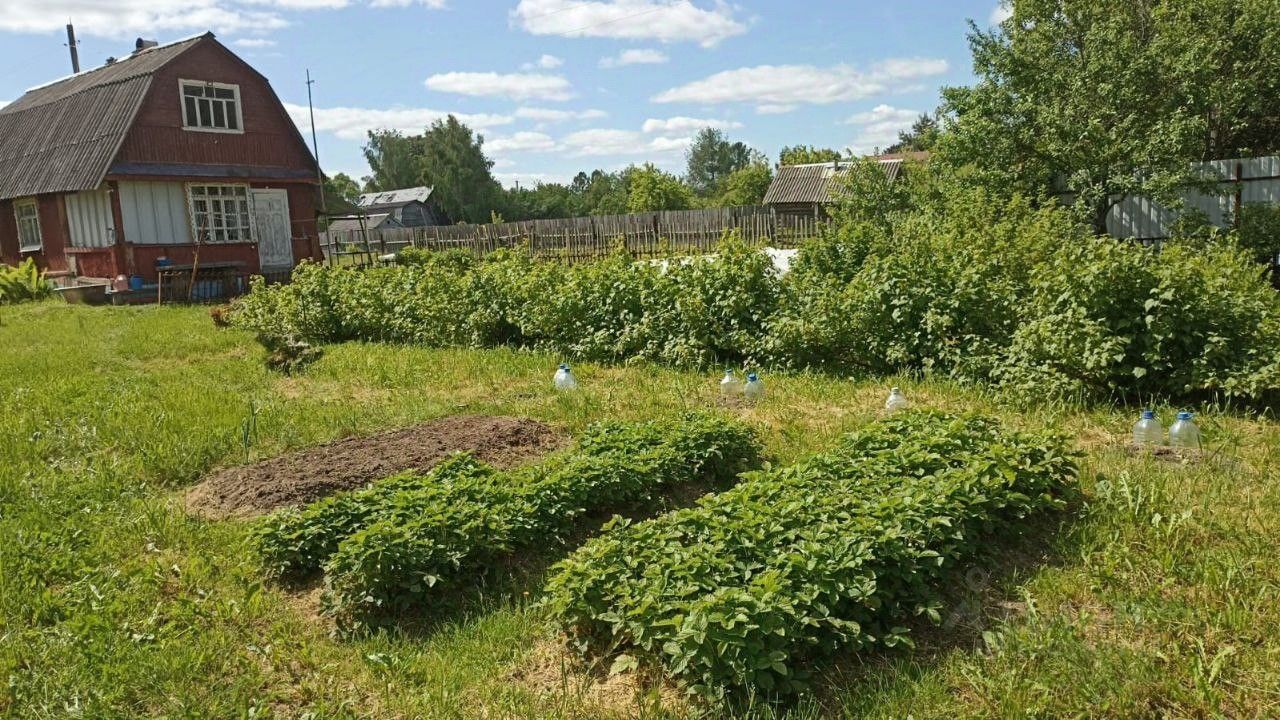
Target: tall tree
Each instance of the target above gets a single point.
(652, 189)
(805, 155)
(922, 135)
(394, 158)
(1105, 98)
(341, 186)
(711, 158)
(454, 164)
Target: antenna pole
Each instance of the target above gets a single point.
(315, 147)
(71, 44)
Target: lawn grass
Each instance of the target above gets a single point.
(1156, 597)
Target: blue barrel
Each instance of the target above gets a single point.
(135, 282)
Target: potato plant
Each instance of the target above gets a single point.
(739, 593)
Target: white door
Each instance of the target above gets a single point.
(271, 222)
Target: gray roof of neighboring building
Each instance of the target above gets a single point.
(393, 198)
(371, 222)
(812, 183)
(62, 136)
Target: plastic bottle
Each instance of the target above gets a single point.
(564, 379)
(729, 385)
(1148, 432)
(754, 389)
(1184, 433)
(897, 401)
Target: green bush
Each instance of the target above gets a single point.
(23, 282)
(411, 543)
(740, 592)
(1117, 320)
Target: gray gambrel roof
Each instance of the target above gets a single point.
(393, 198)
(62, 137)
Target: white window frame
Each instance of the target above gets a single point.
(187, 121)
(215, 232)
(24, 244)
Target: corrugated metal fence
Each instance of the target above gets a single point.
(1246, 180)
(577, 239)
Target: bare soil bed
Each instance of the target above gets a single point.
(304, 476)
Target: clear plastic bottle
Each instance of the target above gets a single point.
(754, 389)
(1148, 432)
(564, 379)
(729, 384)
(1184, 433)
(897, 401)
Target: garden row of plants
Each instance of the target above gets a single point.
(392, 547)
(951, 283)
(739, 593)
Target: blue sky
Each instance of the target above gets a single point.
(555, 86)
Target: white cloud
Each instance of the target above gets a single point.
(601, 141)
(432, 4)
(546, 62)
(1000, 13)
(351, 123)
(685, 125)
(773, 87)
(254, 43)
(639, 56)
(520, 142)
(516, 86)
(776, 109)
(878, 127)
(131, 18)
(550, 115)
(661, 20)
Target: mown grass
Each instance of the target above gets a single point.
(1156, 597)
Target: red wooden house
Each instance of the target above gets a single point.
(113, 172)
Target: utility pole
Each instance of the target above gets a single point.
(315, 147)
(75, 53)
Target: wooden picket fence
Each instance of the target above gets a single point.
(571, 240)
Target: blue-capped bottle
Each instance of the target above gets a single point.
(1148, 432)
(564, 379)
(1184, 433)
(754, 389)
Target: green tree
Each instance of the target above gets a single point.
(1101, 99)
(711, 158)
(394, 158)
(804, 155)
(454, 164)
(652, 189)
(923, 135)
(746, 186)
(341, 186)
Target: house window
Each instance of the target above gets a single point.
(28, 216)
(211, 106)
(220, 213)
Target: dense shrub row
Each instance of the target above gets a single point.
(387, 548)
(960, 285)
(839, 551)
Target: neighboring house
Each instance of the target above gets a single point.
(105, 172)
(353, 224)
(808, 189)
(410, 207)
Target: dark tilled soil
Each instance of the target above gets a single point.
(307, 475)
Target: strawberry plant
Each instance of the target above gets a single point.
(739, 593)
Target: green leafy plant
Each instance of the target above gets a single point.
(23, 282)
(737, 594)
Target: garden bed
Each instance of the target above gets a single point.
(304, 476)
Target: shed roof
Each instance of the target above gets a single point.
(394, 198)
(812, 183)
(62, 136)
(352, 223)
